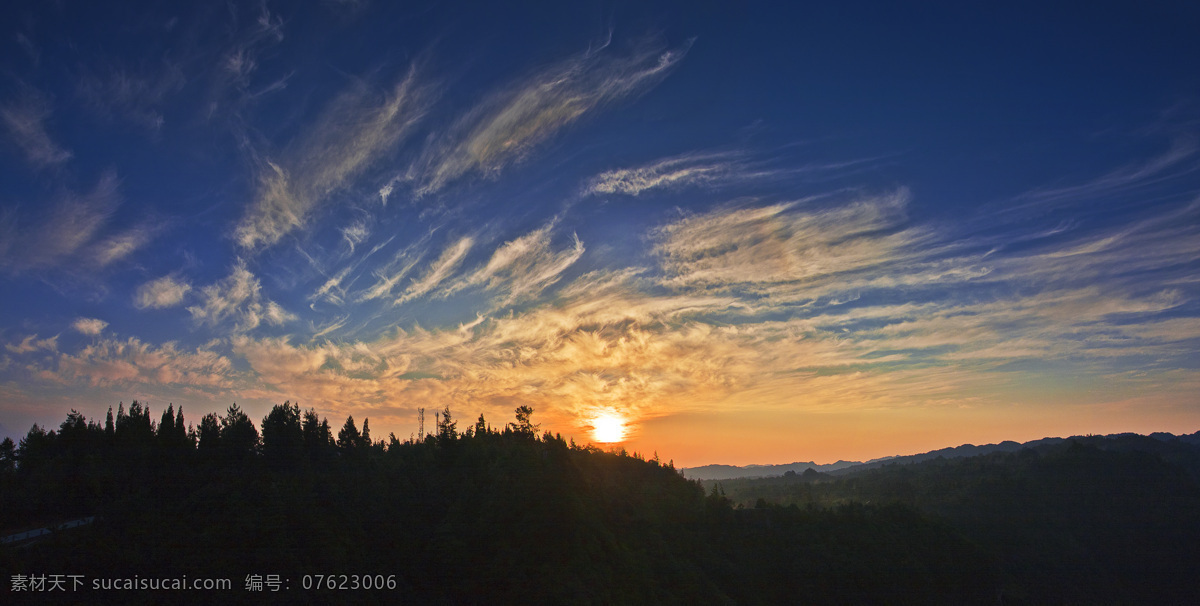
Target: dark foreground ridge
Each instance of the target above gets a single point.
(515, 515)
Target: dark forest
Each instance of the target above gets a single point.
(512, 514)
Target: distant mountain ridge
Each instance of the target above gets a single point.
(729, 472)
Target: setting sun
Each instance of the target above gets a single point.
(608, 428)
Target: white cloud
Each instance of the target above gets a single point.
(121, 245)
(389, 274)
(352, 133)
(74, 233)
(441, 269)
(385, 192)
(783, 243)
(522, 268)
(166, 291)
(89, 326)
(32, 343)
(239, 62)
(332, 291)
(115, 362)
(355, 233)
(511, 123)
(276, 315)
(238, 296)
(681, 171)
(25, 120)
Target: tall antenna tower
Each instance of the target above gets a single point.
(421, 424)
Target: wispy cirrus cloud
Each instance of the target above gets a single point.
(353, 132)
(604, 344)
(522, 268)
(506, 127)
(1162, 244)
(332, 290)
(599, 334)
(1076, 324)
(75, 232)
(783, 243)
(1180, 158)
(123, 244)
(688, 170)
(239, 297)
(710, 170)
(617, 341)
(671, 173)
(160, 293)
(343, 376)
(235, 65)
(25, 120)
(388, 275)
(441, 269)
(137, 96)
(33, 343)
(355, 233)
(1042, 305)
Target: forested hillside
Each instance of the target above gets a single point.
(1091, 520)
(517, 515)
(481, 515)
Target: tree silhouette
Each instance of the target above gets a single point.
(134, 430)
(172, 435)
(109, 428)
(318, 438)
(8, 456)
(446, 426)
(349, 437)
(35, 448)
(364, 440)
(239, 437)
(208, 437)
(73, 435)
(282, 434)
(524, 424)
(166, 426)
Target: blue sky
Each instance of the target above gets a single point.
(748, 232)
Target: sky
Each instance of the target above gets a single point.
(719, 232)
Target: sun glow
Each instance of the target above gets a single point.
(608, 428)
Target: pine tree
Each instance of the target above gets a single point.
(283, 433)
(446, 426)
(349, 437)
(239, 437)
(8, 456)
(318, 439)
(166, 427)
(209, 435)
(524, 424)
(181, 434)
(364, 441)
